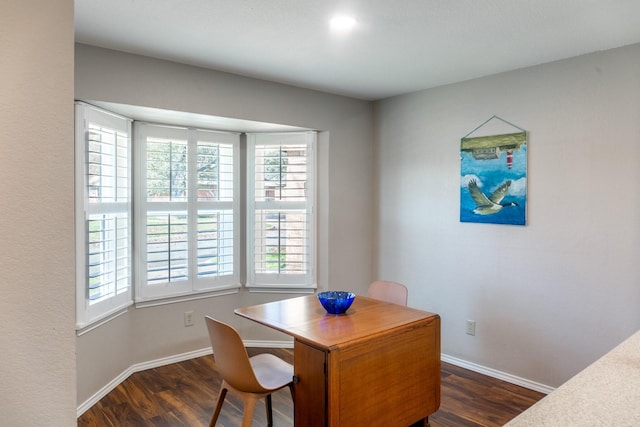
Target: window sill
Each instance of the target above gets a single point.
(280, 289)
(141, 303)
(83, 329)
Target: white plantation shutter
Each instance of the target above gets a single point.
(217, 203)
(103, 220)
(184, 185)
(186, 211)
(280, 210)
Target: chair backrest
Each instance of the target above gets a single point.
(232, 360)
(388, 291)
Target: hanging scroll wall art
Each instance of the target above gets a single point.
(493, 184)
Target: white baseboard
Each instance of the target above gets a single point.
(513, 379)
(289, 344)
(166, 361)
(137, 368)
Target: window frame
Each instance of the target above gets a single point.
(88, 313)
(192, 287)
(257, 282)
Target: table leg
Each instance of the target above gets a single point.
(422, 423)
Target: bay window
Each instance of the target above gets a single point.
(159, 215)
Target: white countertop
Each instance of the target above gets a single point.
(606, 393)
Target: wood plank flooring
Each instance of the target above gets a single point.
(184, 394)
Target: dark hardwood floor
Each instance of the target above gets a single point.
(184, 394)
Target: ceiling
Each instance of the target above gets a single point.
(395, 47)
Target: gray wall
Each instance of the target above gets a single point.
(37, 292)
(550, 297)
(345, 194)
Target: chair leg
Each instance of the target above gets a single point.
(221, 396)
(249, 406)
(267, 405)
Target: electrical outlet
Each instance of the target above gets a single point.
(188, 318)
(471, 327)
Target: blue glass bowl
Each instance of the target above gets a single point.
(336, 302)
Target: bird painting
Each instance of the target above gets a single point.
(493, 174)
(492, 204)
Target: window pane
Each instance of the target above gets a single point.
(281, 242)
(107, 165)
(215, 243)
(215, 172)
(167, 247)
(281, 172)
(167, 172)
(108, 256)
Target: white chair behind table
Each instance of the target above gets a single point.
(393, 292)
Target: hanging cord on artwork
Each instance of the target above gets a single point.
(488, 120)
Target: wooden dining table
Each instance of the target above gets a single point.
(378, 364)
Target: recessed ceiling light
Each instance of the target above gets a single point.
(342, 24)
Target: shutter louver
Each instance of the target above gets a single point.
(281, 242)
(215, 243)
(167, 248)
